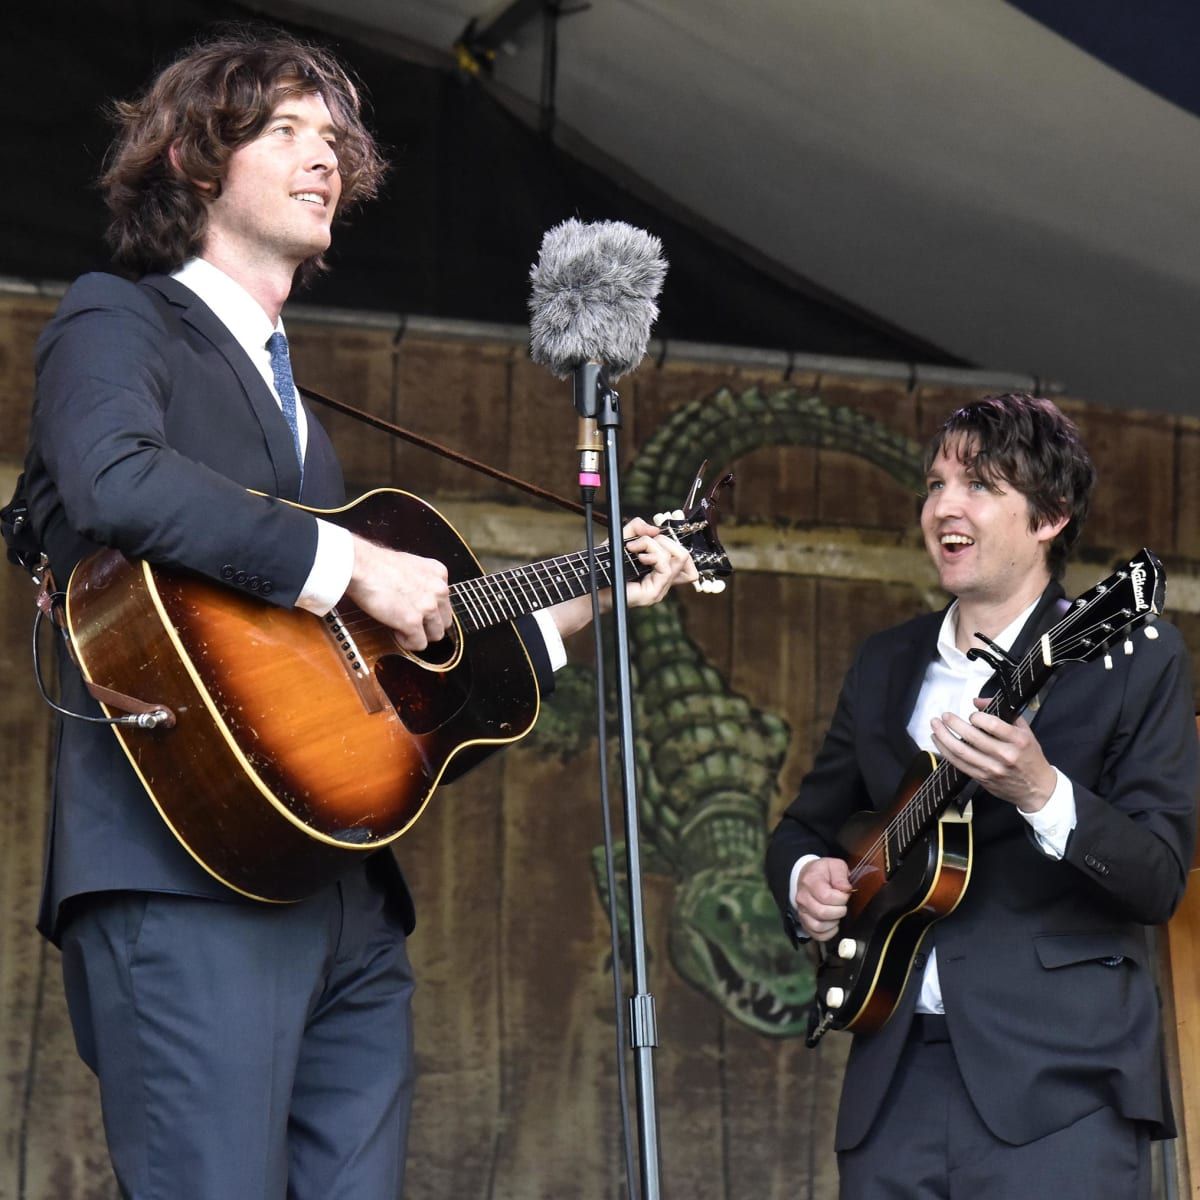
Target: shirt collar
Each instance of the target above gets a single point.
(232, 305)
(950, 654)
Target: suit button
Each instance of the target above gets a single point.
(226, 572)
(239, 578)
(253, 583)
(266, 588)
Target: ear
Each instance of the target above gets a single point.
(177, 166)
(1047, 531)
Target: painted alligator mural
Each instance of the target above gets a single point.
(708, 760)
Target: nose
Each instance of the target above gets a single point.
(945, 502)
(323, 157)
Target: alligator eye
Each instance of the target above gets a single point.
(725, 912)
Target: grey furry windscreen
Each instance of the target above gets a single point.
(593, 298)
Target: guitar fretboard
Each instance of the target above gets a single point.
(491, 599)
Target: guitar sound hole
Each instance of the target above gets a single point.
(439, 653)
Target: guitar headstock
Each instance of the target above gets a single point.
(1128, 598)
(694, 527)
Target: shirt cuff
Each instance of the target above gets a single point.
(331, 570)
(555, 650)
(801, 863)
(1053, 822)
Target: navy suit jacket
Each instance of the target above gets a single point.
(1049, 994)
(150, 429)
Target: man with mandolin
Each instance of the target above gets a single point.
(982, 920)
(242, 1048)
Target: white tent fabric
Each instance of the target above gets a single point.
(957, 169)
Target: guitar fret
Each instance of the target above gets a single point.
(501, 588)
(462, 593)
(530, 601)
(481, 596)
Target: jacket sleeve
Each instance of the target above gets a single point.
(103, 469)
(1136, 828)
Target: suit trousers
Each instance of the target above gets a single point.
(246, 1051)
(928, 1143)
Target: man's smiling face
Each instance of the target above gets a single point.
(978, 533)
(281, 190)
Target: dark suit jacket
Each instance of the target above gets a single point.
(1049, 996)
(149, 425)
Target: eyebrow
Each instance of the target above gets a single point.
(328, 127)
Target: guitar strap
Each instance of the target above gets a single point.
(454, 456)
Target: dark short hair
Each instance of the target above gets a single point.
(1028, 444)
(216, 97)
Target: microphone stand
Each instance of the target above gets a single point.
(595, 399)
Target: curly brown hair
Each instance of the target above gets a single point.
(216, 97)
(1027, 443)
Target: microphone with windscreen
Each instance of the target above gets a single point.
(592, 305)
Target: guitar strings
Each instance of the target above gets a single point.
(491, 595)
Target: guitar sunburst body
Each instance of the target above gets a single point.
(299, 743)
(889, 913)
(285, 760)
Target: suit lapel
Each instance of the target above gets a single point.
(277, 435)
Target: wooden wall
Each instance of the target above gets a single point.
(517, 1095)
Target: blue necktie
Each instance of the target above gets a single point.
(281, 368)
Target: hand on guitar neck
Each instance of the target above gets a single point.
(1005, 758)
(411, 594)
(668, 562)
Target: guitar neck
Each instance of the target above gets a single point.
(492, 599)
(946, 783)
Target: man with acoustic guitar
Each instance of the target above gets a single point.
(243, 1049)
(1021, 1052)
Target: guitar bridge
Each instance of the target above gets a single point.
(351, 658)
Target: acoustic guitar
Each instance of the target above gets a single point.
(910, 864)
(293, 744)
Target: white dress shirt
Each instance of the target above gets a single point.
(250, 326)
(951, 683)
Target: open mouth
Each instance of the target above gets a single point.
(310, 198)
(954, 544)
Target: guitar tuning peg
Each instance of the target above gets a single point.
(1108, 666)
(659, 518)
(1128, 644)
(677, 515)
(718, 586)
(1150, 632)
